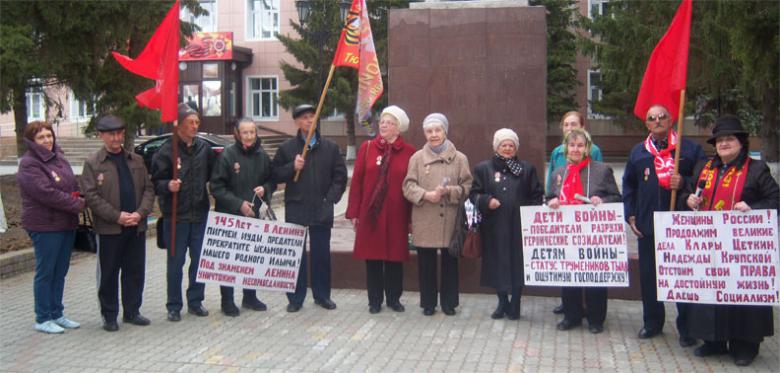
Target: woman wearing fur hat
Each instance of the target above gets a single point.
(501, 185)
(734, 329)
(378, 210)
(437, 180)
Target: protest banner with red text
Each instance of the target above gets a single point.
(251, 253)
(717, 257)
(575, 245)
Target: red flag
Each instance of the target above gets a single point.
(356, 50)
(668, 66)
(159, 61)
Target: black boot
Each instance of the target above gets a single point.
(503, 305)
(513, 311)
(229, 307)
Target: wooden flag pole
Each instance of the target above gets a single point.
(680, 113)
(316, 118)
(175, 199)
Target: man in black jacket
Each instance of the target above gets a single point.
(240, 183)
(310, 200)
(195, 161)
(648, 182)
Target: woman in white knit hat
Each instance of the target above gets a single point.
(378, 210)
(501, 185)
(438, 179)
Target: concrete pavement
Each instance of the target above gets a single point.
(347, 339)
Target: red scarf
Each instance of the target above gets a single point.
(572, 185)
(664, 161)
(728, 190)
(386, 151)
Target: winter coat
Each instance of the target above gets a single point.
(323, 180)
(642, 195)
(724, 322)
(502, 250)
(433, 223)
(237, 172)
(100, 183)
(384, 237)
(597, 180)
(196, 163)
(46, 183)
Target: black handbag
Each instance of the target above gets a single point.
(160, 238)
(85, 235)
(459, 233)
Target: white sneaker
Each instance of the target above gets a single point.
(49, 327)
(67, 323)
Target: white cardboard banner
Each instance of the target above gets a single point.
(717, 257)
(575, 245)
(251, 253)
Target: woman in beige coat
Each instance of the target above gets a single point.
(437, 181)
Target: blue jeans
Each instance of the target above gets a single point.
(188, 235)
(319, 243)
(52, 260)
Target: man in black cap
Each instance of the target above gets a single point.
(120, 194)
(194, 163)
(310, 200)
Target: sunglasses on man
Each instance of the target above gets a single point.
(659, 117)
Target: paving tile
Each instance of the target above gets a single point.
(348, 339)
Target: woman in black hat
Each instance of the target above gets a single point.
(731, 180)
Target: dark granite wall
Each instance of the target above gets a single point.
(484, 69)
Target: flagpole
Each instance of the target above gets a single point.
(174, 200)
(316, 118)
(680, 113)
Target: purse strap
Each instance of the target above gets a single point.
(86, 217)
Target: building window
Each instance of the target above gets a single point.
(233, 99)
(263, 98)
(206, 22)
(594, 91)
(190, 93)
(36, 106)
(80, 110)
(212, 98)
(334, 115)
(597, 8)
(263, 19)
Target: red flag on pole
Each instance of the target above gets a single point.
(668, 66)
(356, 50)
(159, 61)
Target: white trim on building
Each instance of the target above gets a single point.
(79, 111)
(594, 92)
(262, 24)
(207, 23)
(36, 106)
(597, 7)
(262, 98)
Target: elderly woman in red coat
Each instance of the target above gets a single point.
(378, 210)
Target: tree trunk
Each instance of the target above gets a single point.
(129, 139)
(20, 118)
(351, 152)
(770, 131)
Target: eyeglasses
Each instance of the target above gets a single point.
(653, 118)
